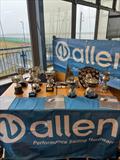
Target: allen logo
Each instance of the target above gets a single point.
(12, 128)
(87, 55)
(62, 51)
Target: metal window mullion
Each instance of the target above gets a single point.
(114, 5)
(73, 21)
(98, 2)
(41, 33)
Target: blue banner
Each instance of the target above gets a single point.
(103, 55)
(37, 133)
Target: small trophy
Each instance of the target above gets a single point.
(18, 87)
(92, 82)
(21, 72)
(33, 92)
(105, 79)
(36, 85)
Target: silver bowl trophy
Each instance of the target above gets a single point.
(105, 79)
(50, 81)
(92, 82)
(18, 88)
(21, 72)
(35, 81)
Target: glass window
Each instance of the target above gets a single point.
(103, 21)
(85, 23)
(107, 3)
(57, 15)
(118, 5)
(14, 22)
(15, 45)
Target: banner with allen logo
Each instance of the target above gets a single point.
(52, 134)
(103, 55)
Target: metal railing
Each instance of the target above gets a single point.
(13, 58)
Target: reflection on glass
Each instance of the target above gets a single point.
(118, 5)
(107, 3)
(57, 16)
(85, 23)
(103, 20)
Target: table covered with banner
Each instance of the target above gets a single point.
(58, 127)
(61, 127)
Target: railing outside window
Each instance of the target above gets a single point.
(13, 58)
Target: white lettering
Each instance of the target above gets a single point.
(92, 55)
(83, 127)
(58, 124)
(47, 124)
(102, 123)
(117, 59)
(80, 51)
(77, 128)
(67, 126)
(87, 52)
(105, 59)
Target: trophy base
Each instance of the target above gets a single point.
(91, 97)
(32, 94)
(23, 84)
(18, 90)
(72, 96)
(38, 90)
(49, 89)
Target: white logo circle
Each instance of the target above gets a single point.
(12, 128)
(62, 51)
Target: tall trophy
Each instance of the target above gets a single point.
(72, 88)
(18, 88)
(50, 81)
(35, 81)
(91, 82)
(105, 79)
(21, 72)
(72, 84)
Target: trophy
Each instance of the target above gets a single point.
(34, 74)
(69, 78)
(33, 92)
(92, 82)
(35, 81)
(72, 85)
(18, 87)
(105, 79)
(36, 85)
(50, 81)
(21, 72)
